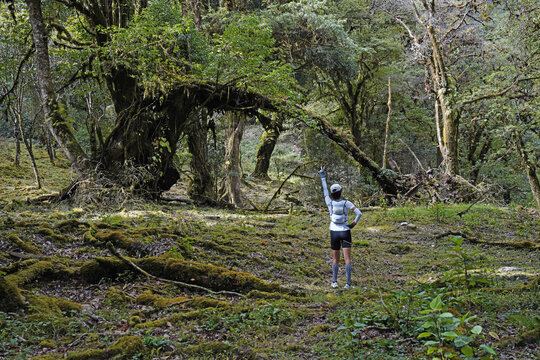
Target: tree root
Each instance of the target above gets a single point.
(132, 265)
(513, 244)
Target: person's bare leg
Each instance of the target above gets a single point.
(348, 266)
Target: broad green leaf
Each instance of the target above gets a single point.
(449, 335)
(446, 315)
(436, 304)
(462, 341)
(476, 330)
(467, 351)
(424, 334)
(488, 349)
(431, 342)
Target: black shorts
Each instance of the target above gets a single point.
(340, 239)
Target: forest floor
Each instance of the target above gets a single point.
(448, 280)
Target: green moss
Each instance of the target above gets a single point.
(70, 224)
(48, 357)
(47, 343)
(215, 277)
(134, 320)
(23, 245)
(90, 354)
(148, 298)
(31, 273)
(115, 237)
(10, 296)
(318, 329)
(44, 307)
(102, 267)
(89, 238)
(176, 318)
(126, 347)
(204, 302)
(116, 297)
(52, 236)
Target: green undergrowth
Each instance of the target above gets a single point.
(64, 295)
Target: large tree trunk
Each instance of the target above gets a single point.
(444, 90)
(202, 185)
(55, 117)
(381, 176)
(267, 143)
(235, 131)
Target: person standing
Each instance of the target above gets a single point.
(340, 230)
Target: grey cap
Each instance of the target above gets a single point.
(335, 188)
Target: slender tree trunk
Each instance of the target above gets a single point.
(530, 168)
(55, 118)
(28, 146)
(17, 143)
(387, 129)
(235, 132)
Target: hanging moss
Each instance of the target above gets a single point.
(24, 246)
(10, 296)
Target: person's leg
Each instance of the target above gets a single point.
(335, 265)
(348, 266)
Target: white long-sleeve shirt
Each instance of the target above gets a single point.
(348, 205)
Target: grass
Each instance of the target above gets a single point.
(398, 270)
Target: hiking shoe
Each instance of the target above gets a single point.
(348, 286)
(334, 284)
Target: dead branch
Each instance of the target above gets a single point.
(298, 167)
(514, 244)
(132, 265)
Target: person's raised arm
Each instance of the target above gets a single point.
(325, 188)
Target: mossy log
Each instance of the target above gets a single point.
(10, 296)
(189, 272)
(40, 270)
(125, 347)
(514, 244)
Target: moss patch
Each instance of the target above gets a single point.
(24, 246)
(10, 296)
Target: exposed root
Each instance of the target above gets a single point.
(513, 244)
